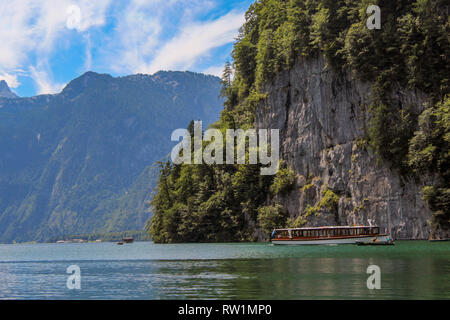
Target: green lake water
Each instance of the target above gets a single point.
(143, 270)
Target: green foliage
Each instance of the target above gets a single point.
(389, 133)
(429, 148)
(329, 200)
(272, 217)
(284, 181)
(207, 203)
(429, 153)
(310, 210)
(308, 186)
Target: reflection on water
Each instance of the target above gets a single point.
(404, 275)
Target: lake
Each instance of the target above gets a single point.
(144, 270)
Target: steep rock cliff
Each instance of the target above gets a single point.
(323, 119)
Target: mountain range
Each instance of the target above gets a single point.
(83, 160)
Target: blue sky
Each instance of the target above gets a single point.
(47, 43)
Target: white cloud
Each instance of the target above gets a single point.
(136, 34)
(141, 43)
(11, 79)
(195, 41)
(32, 28)
(44, 83)
(214, 70)
(88, 59)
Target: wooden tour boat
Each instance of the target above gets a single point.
(330, 235)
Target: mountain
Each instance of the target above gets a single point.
(5, 92)
(83, 160)
(363, 119)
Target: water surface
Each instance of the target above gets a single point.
(143, 270)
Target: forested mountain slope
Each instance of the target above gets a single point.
(81, 161)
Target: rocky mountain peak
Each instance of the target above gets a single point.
(5, 92)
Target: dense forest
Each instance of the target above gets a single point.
(197, 203)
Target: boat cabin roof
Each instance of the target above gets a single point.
(327, 227)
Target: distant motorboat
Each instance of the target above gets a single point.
(387, 242)
(120, 243)
(128, 240)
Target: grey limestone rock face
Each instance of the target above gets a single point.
(323, 119)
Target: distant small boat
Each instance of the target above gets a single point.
(128, 240)
(120, 243)
(376, 243)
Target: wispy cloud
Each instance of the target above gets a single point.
(138, 36)
(44, 83)
(214, 70)
(11, 79)
(30, 30)
(195, 41)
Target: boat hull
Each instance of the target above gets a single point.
(346, 240)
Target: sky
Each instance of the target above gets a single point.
(46, 43)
